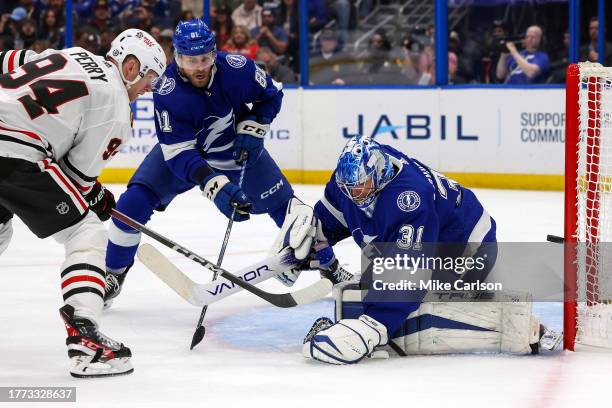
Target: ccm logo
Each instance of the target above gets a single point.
(273, 190)
(254, 129)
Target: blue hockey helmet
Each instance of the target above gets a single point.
(194, 39)
(363, 170)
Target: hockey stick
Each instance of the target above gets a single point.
(320, 288)
(200, 331)
(201, 294)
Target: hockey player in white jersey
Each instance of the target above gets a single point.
(63, 115)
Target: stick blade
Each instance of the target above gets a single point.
(313, 292)
(165, 270)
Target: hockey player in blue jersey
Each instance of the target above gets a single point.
(377, 194)
(207, 131)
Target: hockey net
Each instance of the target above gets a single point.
(588, 207)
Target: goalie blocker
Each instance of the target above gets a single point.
(503, 323)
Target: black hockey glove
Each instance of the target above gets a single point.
(101, 201)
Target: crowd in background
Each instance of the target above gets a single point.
(498, 51)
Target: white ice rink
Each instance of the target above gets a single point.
(251, 353)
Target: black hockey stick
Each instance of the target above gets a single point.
(284, 300)
(200, 331)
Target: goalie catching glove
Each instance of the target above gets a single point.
(346, 342)
(227, 196)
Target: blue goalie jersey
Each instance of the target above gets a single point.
(204, 133)
(419, 205)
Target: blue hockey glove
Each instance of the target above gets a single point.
(249, 141)
(226, 196)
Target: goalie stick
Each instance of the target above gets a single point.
(306, 295)
(202, 294)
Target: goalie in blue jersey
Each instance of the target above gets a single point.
(378, 195)
(213, 111)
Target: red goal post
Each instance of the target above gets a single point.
(588, 206)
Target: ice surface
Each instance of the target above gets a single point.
(250, 355)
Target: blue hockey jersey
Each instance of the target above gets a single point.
(196, 126)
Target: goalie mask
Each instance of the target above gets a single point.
(363, 170)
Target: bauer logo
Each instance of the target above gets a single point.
(236, 61)
(408, 201)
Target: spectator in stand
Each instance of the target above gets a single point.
(270, 34)
(107, 35)
(155, 32)
(453, 66)
(279, 72)
(186, 15)
(222, 25)
(317, 15)
(248, 14)
(589, 52)
(88, 38)
(164, 11)
(494, 45)
(140, 17)
(57, 6)
(560, 61)
(33, 12)
(529, 66)
(468, 54)
(28, 34)
(9, 24)
(40, 45)
(290, 22)
(242, 43)
(52, 28)
(377, 63)
(329, 65)
(101, 15)
(417, 65)
(165, 41)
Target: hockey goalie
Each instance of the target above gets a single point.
(385, 199)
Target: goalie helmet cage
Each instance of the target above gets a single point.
(588, 207)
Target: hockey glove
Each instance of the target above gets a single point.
(226, 196)
(101, 201)
(346, 342)
(249, 141)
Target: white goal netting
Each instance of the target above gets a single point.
(594, 207)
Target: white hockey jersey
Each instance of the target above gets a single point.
(68, 105)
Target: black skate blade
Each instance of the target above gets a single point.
(130, 371)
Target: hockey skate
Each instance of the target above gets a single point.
(336, 273)
(114, 284)
(92, 353)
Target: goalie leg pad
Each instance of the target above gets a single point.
(471, 327)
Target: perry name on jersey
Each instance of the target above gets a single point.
(204, 133)
(418, 205)
(66, 105)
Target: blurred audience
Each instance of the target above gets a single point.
(329, 65)
(278, 71)
(222, 25)
(241, 43)
(270, 34)
(248, 14)
(376, 64)
(529, 66)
